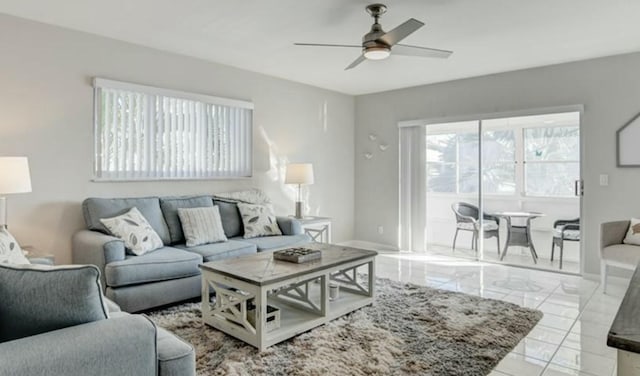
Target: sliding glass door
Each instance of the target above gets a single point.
(505, 190)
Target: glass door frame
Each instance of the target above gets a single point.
(508, 114)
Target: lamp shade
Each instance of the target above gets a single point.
(14, 175)
(299, 173)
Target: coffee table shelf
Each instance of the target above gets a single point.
(299, 291)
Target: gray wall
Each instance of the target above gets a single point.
(609, 89)
(46, 114)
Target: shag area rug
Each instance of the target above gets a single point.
(410, 330)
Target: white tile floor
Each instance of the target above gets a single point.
(569, 340)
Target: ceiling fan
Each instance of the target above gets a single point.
(377, 44)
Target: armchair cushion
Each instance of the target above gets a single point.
(160, 265)
(622, 253)
(633, 233)
(488, 225)
(170, 206)
(564, 233)
(38, 299)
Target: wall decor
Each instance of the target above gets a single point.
(372, 137)
(383, 146)
(368, 155)
(627, 139)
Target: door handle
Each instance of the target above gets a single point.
(578, 188)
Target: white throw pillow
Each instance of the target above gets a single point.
(10, 251)
(201, 225)
(633, 234)
(258, 220)
(138, 235)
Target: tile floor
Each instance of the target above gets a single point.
(569, 340)
(515, 256)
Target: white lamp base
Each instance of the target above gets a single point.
(299, 210)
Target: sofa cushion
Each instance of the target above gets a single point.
(163, 264)
(217, 251)
(273, 242)
(231, 220)
(201, 225)
(96, 208)
(170, 206)
(624, 253)
(135, 231)
(38, 299)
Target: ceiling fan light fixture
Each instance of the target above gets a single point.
(377, 53)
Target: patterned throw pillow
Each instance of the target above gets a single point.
(138, 235)
(10, 251)
(258, 220)
(201, 225)
(633, 235)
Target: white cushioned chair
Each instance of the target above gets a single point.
(613, 252)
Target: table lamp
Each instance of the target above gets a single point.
(14, 178)
(299, 173)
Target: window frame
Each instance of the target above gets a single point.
(102, 83)
(519, 161)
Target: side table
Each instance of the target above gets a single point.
(318, 228)
(37, 256)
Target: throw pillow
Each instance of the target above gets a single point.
(138, 235)
(10, 251)
(633, 234)
(38, 299)
(258, 220)
(201, 225)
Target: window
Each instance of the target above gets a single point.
(146, 133)
(552, 160)
(452, 159)
(527, 156)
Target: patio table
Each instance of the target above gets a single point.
(519, 235)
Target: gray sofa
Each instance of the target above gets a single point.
(56, 322)
(169, 274)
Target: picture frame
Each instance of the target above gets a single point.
(628, 143)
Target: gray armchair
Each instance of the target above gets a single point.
(467, 219)
(613, 252)
(66, 327)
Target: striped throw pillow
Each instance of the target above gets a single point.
(201, 225)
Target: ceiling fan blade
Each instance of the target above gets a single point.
(327, 45)
(406, 50)
(399, 33)
(357, 61)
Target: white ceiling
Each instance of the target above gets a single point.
(488, 36)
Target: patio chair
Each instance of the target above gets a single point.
(467, 219)
(564, 230)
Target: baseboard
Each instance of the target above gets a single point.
(369, 245)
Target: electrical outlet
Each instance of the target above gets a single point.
(380, 230)
(604, 179)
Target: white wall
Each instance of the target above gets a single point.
(46, 114)
(609, 89)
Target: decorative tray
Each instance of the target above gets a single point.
(298, 255)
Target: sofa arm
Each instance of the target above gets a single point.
(612, 233)
(289, 225)
(96, 248)
(118, 346)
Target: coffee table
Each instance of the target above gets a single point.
(263, 301)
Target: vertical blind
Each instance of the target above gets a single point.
(147, 133)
